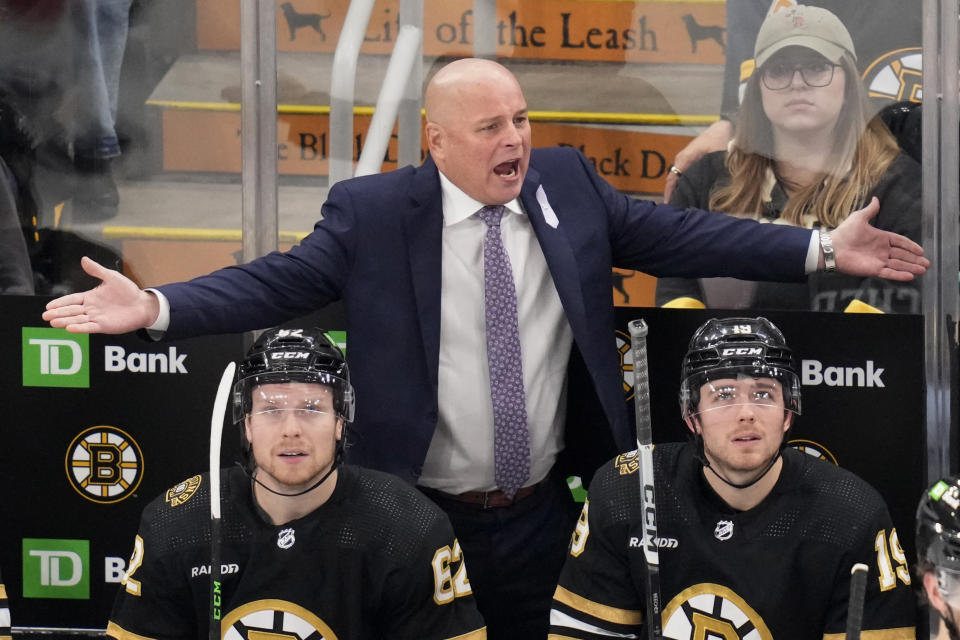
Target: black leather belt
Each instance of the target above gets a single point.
(487, 499)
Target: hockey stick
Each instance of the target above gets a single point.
(216, 437)
(641, 403)
(858, 591)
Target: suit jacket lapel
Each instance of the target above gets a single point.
(423, 226)
(558, 252)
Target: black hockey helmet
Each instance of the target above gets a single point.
(294, 355)
(737, 348)
(282, 356)
(938, 525)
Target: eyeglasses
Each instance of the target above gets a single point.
(274, 416)
(777, 76)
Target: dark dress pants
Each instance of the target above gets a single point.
(514, 555)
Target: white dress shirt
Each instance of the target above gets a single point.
(460, 457)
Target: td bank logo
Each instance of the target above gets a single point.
(55, 358)
(56, 568)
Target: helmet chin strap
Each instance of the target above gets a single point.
(253, 476)
(702, 457)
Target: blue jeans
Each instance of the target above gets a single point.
(99, 36)
(63, 72)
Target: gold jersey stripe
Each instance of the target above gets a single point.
(479, 634)
(597, 610)
(900, 633)
(3, 592)
(116, 631)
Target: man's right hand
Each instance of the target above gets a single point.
(714, 138)
(116, 305)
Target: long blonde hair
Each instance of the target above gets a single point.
(862, 151)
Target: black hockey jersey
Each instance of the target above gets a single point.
(780, 570)
(377, 560)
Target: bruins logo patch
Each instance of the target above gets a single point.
(712, 611)
(627, 463)
(184, 491)
(814, 449)
(276, 619)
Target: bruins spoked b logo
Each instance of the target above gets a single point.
(275, 619)
(104, 464)
(711, 611)
(896, 76)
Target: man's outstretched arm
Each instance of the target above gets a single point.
(116, 305)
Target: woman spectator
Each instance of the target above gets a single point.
(806, 153)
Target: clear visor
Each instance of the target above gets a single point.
(308, 403)
(948, 584)
(763, 388)
(312, 395)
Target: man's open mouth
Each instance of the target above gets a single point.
(507, 169)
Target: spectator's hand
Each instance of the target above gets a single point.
(116, 305)
(863, 250)
(715, 138)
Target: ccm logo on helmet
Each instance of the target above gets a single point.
(742, 351)
(290, 355)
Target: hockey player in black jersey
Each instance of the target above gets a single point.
(756, 539)
(310, 548)
(938, 553)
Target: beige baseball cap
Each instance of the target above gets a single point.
(803, 26)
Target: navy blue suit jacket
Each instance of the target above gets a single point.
(377, 249)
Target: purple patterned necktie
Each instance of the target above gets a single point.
(511, 440)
